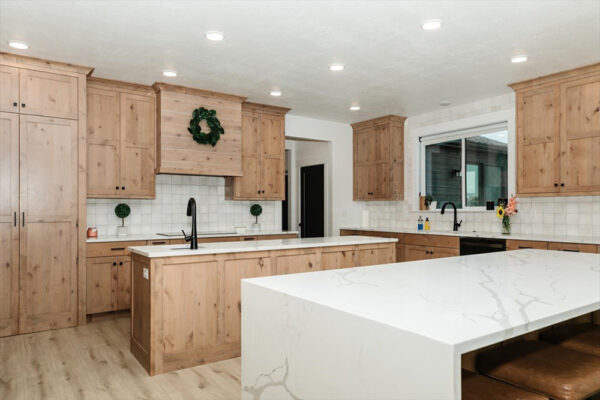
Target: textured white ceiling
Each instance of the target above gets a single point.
(392, 65)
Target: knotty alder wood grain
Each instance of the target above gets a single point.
(188, 310)
(177, 152)
(558, 134)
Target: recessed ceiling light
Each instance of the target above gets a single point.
(336, 67)
(17, 44)
(275, 93)
(169, 73)
(431, 24)
(215, 36)
(519, 59)
(354, 108)
(445, 103)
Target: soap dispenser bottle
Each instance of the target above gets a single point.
(427, 224)
(420, 223)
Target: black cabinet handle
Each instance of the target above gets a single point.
(15, 217)
(22, 105)
(15, 104)
(116, 187)
(114, 263)
(117, 248)
(155, 243)
(562, 185)
(571, 250)
(23, 221)
(263, 191)
(258, 192)
(556, 185)
(120, 262)
(525, 247)
(122, 187)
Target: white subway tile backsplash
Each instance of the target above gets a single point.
(166, 213)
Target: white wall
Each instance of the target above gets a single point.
(343, 210)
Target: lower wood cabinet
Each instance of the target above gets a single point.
(559, 246)
(108, 284)
(414, 253)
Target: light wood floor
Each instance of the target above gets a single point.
(94, 362)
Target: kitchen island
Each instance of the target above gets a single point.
(186, 304)
(398, 331)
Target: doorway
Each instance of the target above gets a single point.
(312, 201)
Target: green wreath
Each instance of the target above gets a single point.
(216, 130)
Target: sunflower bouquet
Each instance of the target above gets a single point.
(506, 210)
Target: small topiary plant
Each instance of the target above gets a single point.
(122, 211)
(256, 210)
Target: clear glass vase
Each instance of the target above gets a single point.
(506, 225)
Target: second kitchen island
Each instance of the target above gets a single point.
(186, 304)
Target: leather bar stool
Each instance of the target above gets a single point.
(578, 337)
(557, 372)
(479, 387)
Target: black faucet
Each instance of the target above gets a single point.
(456, 224)
(191, 212)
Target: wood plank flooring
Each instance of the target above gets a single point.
(93, 362)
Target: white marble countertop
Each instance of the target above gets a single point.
(466, 302)
(256, 245)
(496, 235)
(155, 236)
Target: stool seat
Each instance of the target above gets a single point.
(478, 387)
(579, 337)
(554, 371)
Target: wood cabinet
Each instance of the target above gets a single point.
(9, 223)
(378, 159)
(42, 175)
(573, 247)
(558, 133)
(195, 317)
(121, 140)
(263, 155)
(512, 244)
(414, 253)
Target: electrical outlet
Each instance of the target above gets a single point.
(145, 273)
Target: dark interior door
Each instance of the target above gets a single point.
(312, 201)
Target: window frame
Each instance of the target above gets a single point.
(463, 134)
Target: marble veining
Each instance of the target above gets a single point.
(458, 300)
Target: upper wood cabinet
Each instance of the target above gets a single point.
(263, 155)
(558, 133)
(9, 95)
(378, 154)
(121, 140)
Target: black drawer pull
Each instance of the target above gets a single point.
(571, 250)
(249, 238)
(15, 218)
(23, 221)
(163, 242)
(525, 247)
(117, 248)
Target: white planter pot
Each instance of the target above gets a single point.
(121, 231)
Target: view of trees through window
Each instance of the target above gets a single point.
(482, 159)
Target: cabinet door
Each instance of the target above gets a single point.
(374, 256)
(9, 95)
(137, 146)
(103, 126)
(248, 186)
(101, 283)
(538, 166)
(361, 156)
(338, 258)
(442, 252)
(48, 94)
(123, 283)
(379, 165)
(296, 263)
(230, 277)
(580, 136)
(272, 164)
(48, 235)
(9, 221)
(415, 253)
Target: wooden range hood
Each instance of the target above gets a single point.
(176, 150)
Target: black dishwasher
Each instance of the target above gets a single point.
(475, 245)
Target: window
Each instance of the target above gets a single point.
(467, 167)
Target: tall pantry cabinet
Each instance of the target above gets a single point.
(42, 193)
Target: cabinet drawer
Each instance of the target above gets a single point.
(574, 247)
(273, 237)
(525, 244)
(432, 240)
(157, 242)
(107, 249)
